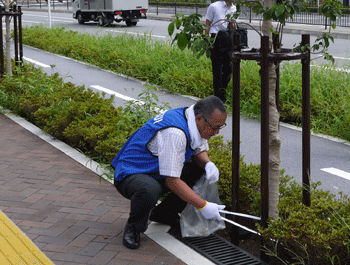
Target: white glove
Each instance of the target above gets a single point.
(211, 211)
(212, 172)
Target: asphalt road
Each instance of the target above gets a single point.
(331, 155)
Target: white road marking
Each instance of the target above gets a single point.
(65, 21)
(342, 70)
(28, 15)
(111, 92)
(36, 62)
(28, 21)
(336, 69)
(337, 172)
(341, 58)
(55, 20)
(136, 33)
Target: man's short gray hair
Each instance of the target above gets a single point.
(208, 105)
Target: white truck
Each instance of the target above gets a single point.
(107, 11)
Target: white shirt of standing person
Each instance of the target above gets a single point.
(217, 13)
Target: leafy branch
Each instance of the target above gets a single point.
(191, 34)
(286, 10)
(322, 42)
(331, 9)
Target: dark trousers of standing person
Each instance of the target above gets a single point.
(221, 67)
(145, 191)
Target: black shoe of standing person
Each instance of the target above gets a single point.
(172, 219)
(131, 238)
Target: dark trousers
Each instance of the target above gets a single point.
(144, 192)
(222, 69)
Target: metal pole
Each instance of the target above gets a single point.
(20, 34)
(49, 10)
(235, 134)
(250, 15)
(15, 34)
(306, 121)
(265, 65)
(2, 66)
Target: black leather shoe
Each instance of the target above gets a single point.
(131, 238)
(171, 219)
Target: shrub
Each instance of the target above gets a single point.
(73, 114)
(311, 235)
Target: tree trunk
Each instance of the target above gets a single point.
(8, 39)
(274, 136)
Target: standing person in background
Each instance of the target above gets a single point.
(220, 53)
(155, 160)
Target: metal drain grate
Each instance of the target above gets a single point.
(217, 249)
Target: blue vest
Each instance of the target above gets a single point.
(135, 158)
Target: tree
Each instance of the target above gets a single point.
(274, 135)
(8, 39)
(191, 35)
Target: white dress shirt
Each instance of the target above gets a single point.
(169, 145)
(217, 13)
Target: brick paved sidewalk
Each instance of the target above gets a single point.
(61, 206)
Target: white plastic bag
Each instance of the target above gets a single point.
(192, 222)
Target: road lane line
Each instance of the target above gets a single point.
(337, 172)
(36, 62)
(28, 21)
(136, 33)
(111, 92)
(336, 69)
(341, 58)
(58, 17)
(65, 21)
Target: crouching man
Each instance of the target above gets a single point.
(155, 160)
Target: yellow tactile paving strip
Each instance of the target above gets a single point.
(16, 248)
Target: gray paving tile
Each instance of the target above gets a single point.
(62, 207)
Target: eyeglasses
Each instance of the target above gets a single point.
(214, 128)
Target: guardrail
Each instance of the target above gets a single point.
(43, 4)
(311, 18)
(155, 7)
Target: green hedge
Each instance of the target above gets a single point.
(180, 72)
(89, 122)
(73, 114)
(319, 234)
